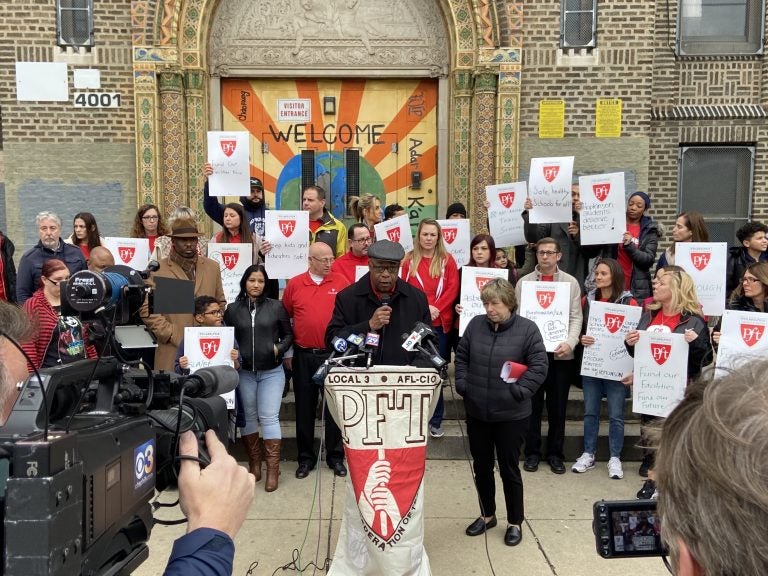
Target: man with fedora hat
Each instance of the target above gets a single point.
(380, 302)
(183, 263)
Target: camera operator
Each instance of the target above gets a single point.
(13, 366)
(712, 475)
(216, 501)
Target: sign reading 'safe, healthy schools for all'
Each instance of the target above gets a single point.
(210, 346)
(472, 281)
(706, 263)
(547, 304)
(608, 357)
(549, 186)
(660, 374)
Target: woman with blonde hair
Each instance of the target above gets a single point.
(431, 268)
(366, 209)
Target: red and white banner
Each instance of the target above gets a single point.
(603, 218)
(383, 415)
(505, 220)
(233, 259)
(456, 239)
(210, 346)
(706, 263)
(660, 374)
(742, 339)
(608, 357)
(549, 186)
(132, 252)
(396, 230)
(288, 232)
(472, 281)
(548, 304)
(229, 153)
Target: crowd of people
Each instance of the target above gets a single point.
(290, 336)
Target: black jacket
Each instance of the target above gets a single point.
(480, 356)
(9, 268)
(738, 260)
(742, 304)
(28, 278)
(356, 304)
(643, 256)
(259, 326)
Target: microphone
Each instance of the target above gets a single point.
(419, 332)
(437, 361)
(211, 381)
(341, 346)
(371, 343)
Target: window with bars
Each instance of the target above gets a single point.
(717, 182)
(74, 23)
(578, 23)
(720, 27)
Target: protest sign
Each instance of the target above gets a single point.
(396, 230)
(548, 305)
(608, 357)
(456, 239)
(549, 186)
(288, 232)
(706, 263)
(210, 346)
(233, 260)
(603, 218)
(660, 373)
(472, 281)
(132, 252)
(742, 339)
(505, 220)
(229, 154)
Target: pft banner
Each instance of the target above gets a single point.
(603, 214)
(210, 346)
(742, 339)
(288, 232)
(548, 305)
(549, 186)
(472, 281)
(505, 220)
(229, 153)
(706, 263)
(383, 414)
(233, 260)
(661, 373)
(396, 230)
(456, 239)
(608, 357)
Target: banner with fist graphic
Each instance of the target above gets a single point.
(505, 220)
(660, 374)
(548, 305)
(210, 346)
(706, 263)
(288, 232)
(603, 218)
(608, 323)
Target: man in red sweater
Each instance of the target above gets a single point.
(359, 239)
(309, 300)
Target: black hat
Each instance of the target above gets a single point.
(386, 250)
(456, 208)
(256, 183)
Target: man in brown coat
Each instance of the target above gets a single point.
(183, 263)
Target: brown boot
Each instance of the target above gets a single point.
(272, 456)
(253, 450)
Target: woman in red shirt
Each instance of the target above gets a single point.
(85, 234)
(149, 224)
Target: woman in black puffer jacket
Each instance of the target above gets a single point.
(263, 331)
(498, 411)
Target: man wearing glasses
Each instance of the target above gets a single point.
(309, 299)
(381, 302)
(50, 246)
(359, 240)
(561, 365)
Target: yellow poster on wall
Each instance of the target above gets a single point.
(350, 136)
(608, 118)
(551, 118)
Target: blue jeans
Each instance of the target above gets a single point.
(444, 349)
(616, 393)
(262, 393)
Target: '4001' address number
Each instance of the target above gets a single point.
(97, 100)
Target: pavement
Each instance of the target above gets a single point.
(305, 515)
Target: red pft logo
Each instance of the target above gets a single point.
(660, 352)
(126, 253)
(700, 260)
(545, 297)
(287, 227)
(229, 259)
(228, 147)
(601, 191)
(449, 234)
(550, 173)
(209, 346)
(751, 333)
(394, 234)
(613, 322)
(507, 199)
(481, 281)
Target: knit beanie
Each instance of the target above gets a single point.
(456, 208)
(644, 196)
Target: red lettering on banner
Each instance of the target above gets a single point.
(228, 147)
(700, 260)
(545, 297)
(507, 198)
(660, 352)
(209, 346)
(551, 172)
(613, 322)
(126, 253)
(601, 191)
(751, 333)
(229, 259)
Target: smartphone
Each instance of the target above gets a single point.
(627, 529)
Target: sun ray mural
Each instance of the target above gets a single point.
(351, 136)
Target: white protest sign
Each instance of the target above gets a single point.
(742, 339)
(361, 271)
(660, 374)
(505, 220)
(210, 346)
(548, 305)
(472, 281)
(288, 232)
(549, 186)
(396, 230)
(706, 263)
(603, 218)
(229, 153)
(456, 239)
(608, 323)
(233, 260)
(133, 252)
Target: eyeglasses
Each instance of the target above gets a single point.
(150, 217)
(366, 240)
(322, 260)
(214, 313)
(546, 252)
(379, 269)
(56, 282)
(750, 280)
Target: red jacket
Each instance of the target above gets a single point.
(441, 292)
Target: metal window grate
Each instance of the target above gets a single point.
(74, 22)
(720, 27)
(352, 171)
(307, 169)
(717, 181)
(578, 23)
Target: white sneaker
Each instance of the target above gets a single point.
(585, 462)
(615, 471)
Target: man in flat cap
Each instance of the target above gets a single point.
(183, 263)
(380, 302)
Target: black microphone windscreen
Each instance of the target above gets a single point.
(211, 381)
